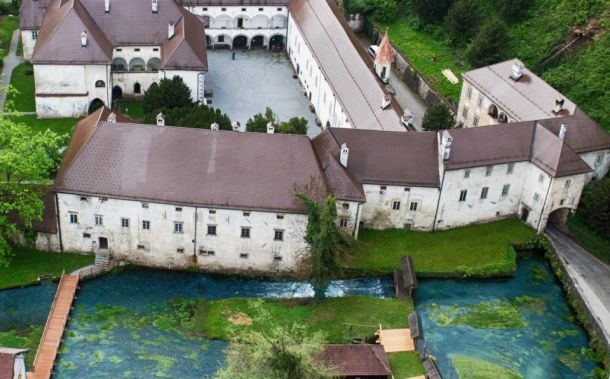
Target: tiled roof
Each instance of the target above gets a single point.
(582, 133)
(357, 360)
(184, 51)
(7, 361)
(342, 60)
(31, 13)
(384, 53)
(212, 3)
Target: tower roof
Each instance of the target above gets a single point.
(384, 54)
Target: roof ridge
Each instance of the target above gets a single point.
(61, 4)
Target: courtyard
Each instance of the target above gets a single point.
(246, 82)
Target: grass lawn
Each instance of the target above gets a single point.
(477, 250)
(132, 109)
(7, 26)
(58, 125)
(23, 101)
(27, 265)
(23, 339)
(589, 239)
(406, 364)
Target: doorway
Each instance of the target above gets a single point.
(240, 22)
(525, 213)
(103, 243)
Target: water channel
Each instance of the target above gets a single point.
(118, 329)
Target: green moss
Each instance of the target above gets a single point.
(96, 358)
(473, 368)
(406, 364)
(533, 304)
(498, 314)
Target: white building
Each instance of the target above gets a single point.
(89, 52)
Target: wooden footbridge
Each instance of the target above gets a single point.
(54, 328)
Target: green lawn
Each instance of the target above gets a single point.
(132, 109)
(406, 364)
(477, 250)
(22, 80)
(7, 26)
(23, 339)
(27, 265)
(58, 125)
(589, 239)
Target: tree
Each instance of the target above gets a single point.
(281, 352)
(27, 163)
(168, 94)
(595, 206)
(438, 117)
(258, 123)
(194, 116)
(431, 11)
(329, 246)
(490, 44)
(463, 20)
(512, 10)
(382, 10)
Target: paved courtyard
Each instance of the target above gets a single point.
(254, 80)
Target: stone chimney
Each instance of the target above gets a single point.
(517, 71)
(171, 30)
(214, 127)
(155, 6)
(236, 126)
(107, 6)
(562, 132)
(83, 38)
(111, 118)
(385, 102)
(344, 155)
(160, 119)
(558, 106)
(447, 142)
(270, 128)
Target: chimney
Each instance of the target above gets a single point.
(160, 119)
(385, 102)
(214, 127)
(517, 71)
(270, 128)
(344, 155)
(83, 38)
(111, 118)
(236, 126)
(155, 6)
(447, 142)
(107, 6)
(171, 30)
(562, 132)
(558, 106)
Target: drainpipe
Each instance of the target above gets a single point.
(195, 236)
(544, 205)
(61, 245)
(356, 228)
(440, 193)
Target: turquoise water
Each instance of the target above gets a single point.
(549, 346)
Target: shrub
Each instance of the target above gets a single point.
(258, 123)
(595, 206)
(430, 11)
(490, 44)
(463, 20)
(195, 116)
(438, 117)
(383, 10)
(512, 10)
(168, 94)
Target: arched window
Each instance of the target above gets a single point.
(153, 64)
(502, 117)
(137, 65)
(137, 88)
(493, 111)
(118, 64)
(100, 84)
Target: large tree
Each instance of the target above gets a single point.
(595, 206)
(490, 44)
(258, 123)
(463, 20)
(195, 116)
(27, 163)
(431, 11)
(438, 117)
(168, 94)
(279, 351)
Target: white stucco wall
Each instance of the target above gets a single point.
(19, 371)
(195, 80)
(47, 242)
(161, 243)
(28, 42)
(599, 161)
(126, 80)
(477, 104)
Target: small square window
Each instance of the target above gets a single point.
(119, 49)
(277, 258)
(280, 217)
(465, 112)
(505, 189)
(260, 9)
(155, 49)
(243, 255)
(413, 206)
(86, 235)
(536, 196)
(541, 178)
(279, 9)
(178, 227)
(484, 192)
(211, 230)
(278, 235)
(475, 121)
(136, 49)
(382, 189)
(396, 205)
(141, 247)
(99, 220)
(463, 194)
(345, 205)
(568, 182)
(223, 9)
(510, 168)
(145, 224)
(407, 226)
(407, 189)
(245, 232)
(83, 198)
(212, 211)
(73, 218)
(178, 209)
(246, 214)
(205, 9)
(562, 201)
(488, 170)
(180, 250)
(103, 199)
(343, 222)
(144, 205)
(243, 9)
(124, 222)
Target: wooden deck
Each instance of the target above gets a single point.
(54, 328)
(394, 340)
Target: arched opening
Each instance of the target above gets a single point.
(222, 21)
(257, 41)
(208, 40)
(240, 42)
(493, 111)
(383, 72)
(279, 21)
(502, 117)
(153, 64)
(118, 64)
(137, 65)
(137, 88)
(559, 218)
(276, 43)
(259, 21)
(117, 92)
(95, 105)
(239, 20)
(100, 84)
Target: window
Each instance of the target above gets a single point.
(536, 196)
(83, 198)
(278, 235)
(246, 214)
(137, 88)
(480, 102)
(407, 189)
(510, 168)
(211, 230)
(223, 9)
(243, 9)
(484, 192)
(505, 189)
(463, 194)
(100, 84)
(466, 174)
(488, 170)
(469, 92)
(562, 201)
(475, 122)
(156, 49)
(118, 64)
(178, 227)
(86, 235)
(118, 49)
(567, 184)
(277, 258)
(144, 205)
(99, 220)
(382, 189)
(465, 112)
(245, 232)
(180, 250)
(413, 206)
(137, 65)
(178, 209)
(212, 211)
(502, 118)
(73, 218)
(34, 34)
(279, 9)
(141, 247)
(137, 49)
(345, 205)
(145, 224)
(206, 252)
(124, 222)
(598, 160)
(396, 205)
(260, 9)
(243, 255)
(221, 39)
(407, 226)
(103, 199)
(153, 64)
(343, 222)
(280, 217)
(541, 178)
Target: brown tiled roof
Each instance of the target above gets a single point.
(185, 50)
(7, 362)
(554, 157)
(31, 13)
(527, 99)
(395, 158)
(344, 66)
(384, 53)
(356, 360)
(582, 133)
(188, 166)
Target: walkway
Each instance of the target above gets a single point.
(54, 328)
(10, 62)
(394, 340)
(591, 275)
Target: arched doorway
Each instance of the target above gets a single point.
(276, 43)
(240, 42)
(137, 88)
(117, 92)
(95, 105)
(257, 41)
(559, 218)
